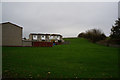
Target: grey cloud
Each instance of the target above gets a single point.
(67, 19)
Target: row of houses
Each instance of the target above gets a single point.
(12, 36)
(45, 37)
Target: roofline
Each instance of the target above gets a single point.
(38, 34)
(12, 24)
(45, 34)
(56, 35)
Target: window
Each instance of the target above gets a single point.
(34, 37)
(51, 37)
(43, 37)
(58, 37)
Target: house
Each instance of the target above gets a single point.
(45, 37)
(11, 34)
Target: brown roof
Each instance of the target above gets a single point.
(11, 24)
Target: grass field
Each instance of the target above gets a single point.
(80, 58)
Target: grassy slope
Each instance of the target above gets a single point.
(78, 59)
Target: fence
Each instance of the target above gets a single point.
(26, 43)
(42, 44)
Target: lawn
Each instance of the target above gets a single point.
(79, 59)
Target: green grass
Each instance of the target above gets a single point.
(80, 58)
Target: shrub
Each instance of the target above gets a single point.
(93, 34)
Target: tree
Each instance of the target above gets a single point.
(115, 30)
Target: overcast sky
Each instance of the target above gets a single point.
(119, 9)
(68, 19)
